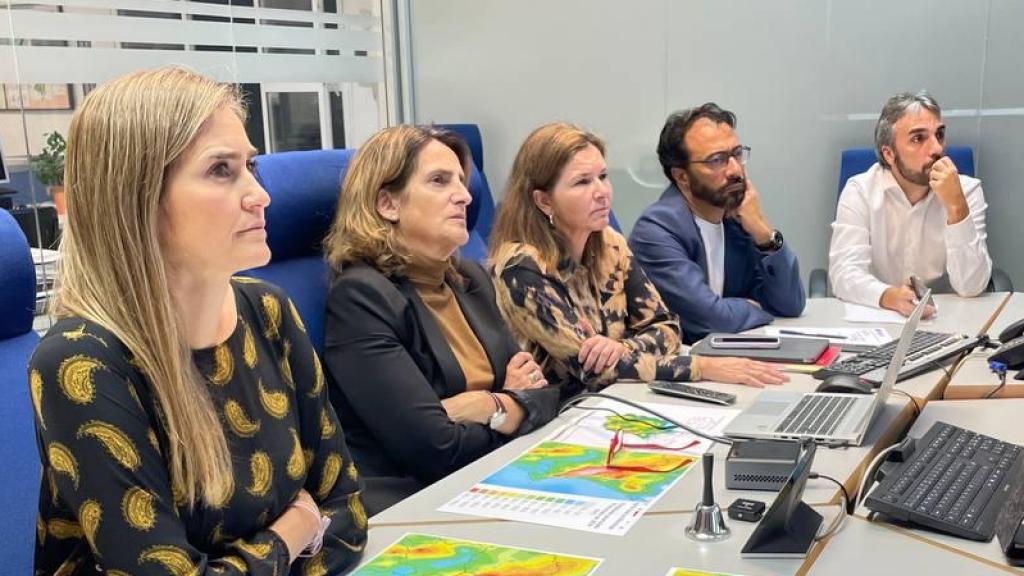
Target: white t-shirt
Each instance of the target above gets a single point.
(714, 250)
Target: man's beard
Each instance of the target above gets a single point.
(919, 178)
(729, 196)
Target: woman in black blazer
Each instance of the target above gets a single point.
(420, 365)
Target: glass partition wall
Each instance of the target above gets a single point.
(312, 71)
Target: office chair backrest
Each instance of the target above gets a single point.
(480, 217)
(857, 160)
(19, 481)
(303, 188)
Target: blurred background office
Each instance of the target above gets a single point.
(806, 79)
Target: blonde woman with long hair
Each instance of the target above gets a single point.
(181, 414)
(420, 365)
(568, 286)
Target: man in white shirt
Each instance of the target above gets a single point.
(910, 214)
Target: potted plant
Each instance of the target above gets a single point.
(48, 167)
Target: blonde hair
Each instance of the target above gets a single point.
(538, 165)
(385, 162)
(122, 142)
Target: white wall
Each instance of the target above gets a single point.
(805, 77)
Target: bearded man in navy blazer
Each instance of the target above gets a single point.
(705, 243)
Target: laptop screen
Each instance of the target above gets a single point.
(893, 371)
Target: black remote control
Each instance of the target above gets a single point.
(692, 392)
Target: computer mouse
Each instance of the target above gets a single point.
(845, 384)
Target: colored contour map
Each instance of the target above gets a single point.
(635, 425)
(580, 471)
(422, 554)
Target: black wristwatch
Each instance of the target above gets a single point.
(773, 244)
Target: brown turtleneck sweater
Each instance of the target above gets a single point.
(428, 279)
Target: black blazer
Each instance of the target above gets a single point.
(388, 368)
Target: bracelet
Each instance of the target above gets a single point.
(498, 404)
(322, 522)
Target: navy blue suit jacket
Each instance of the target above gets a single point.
(667, 243)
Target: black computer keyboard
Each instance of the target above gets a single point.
(927, 349)
(955, 481)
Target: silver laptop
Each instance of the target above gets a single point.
(824, 417)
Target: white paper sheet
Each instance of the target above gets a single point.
(845, 338)
(564, 481)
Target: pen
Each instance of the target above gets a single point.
(799, 333)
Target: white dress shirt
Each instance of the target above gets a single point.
(879, 239)
(714, 250)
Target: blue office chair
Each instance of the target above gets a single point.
(19, 482)
(303, 188)
(857, 160)
(480, 217)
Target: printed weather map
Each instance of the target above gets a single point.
(422, 555)
(581, 471)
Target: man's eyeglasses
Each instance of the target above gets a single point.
(617, 444)
(719, 160)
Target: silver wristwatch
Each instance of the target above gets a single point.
(500, 414)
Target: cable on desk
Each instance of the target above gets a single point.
(843, 512)
(869, 474)
(622, 416)
(916, 407)
(999, 369)
(571, 402)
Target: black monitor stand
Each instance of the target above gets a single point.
(790, 525)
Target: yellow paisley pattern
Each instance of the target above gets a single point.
(295, 316)
(224, 365)
(286, 365)
(89, 514)
(75, 378)
(246, 280)
(174, 560)
(315, 566)
(79, 333)
(137, 508)
(238, 421)
(262, 471)
(236, 563)
(318, 372)
(272, 312)
(116, 442)
(351, 471)
(308, 456)
(63, 529)
(275, 403)
(248, 346)
(332, 467)
(327, 427)
(35, 384)
(153, 440)
(260, 551)
(117, 573)
(63, 461)
(296, 462)
(133, 393)
(355, 507)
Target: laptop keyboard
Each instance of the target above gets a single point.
(926, 349)
(816, 415)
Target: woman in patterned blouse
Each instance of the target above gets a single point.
(181, 415)
(567, 283)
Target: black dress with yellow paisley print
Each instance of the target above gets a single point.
(106, 503)
(554, 311)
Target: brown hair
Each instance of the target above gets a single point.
(121, 144)
(538, 165)
(385, 162)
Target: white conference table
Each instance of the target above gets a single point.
(657, 538)
(900, 550)
(657, 541)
